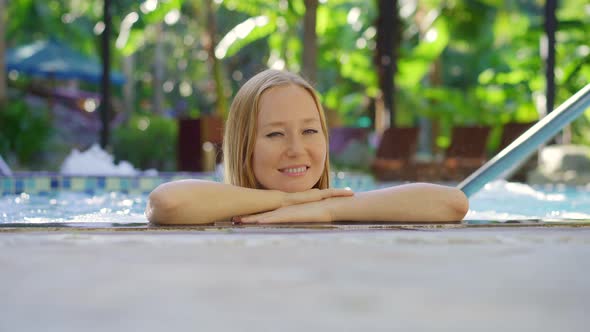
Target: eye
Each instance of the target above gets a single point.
(310, 131)
(274, 134)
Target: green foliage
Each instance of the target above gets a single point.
(147, 141)
(417, 64)
(251, 8)
(281, 29)
(347, 77)
(138, 32)
(462, 62)
(24, 131)
(252, 29)
(32, 20)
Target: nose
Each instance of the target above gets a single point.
(295, 146)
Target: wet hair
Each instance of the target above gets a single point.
(241, 125)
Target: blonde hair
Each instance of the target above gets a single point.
(241, 125)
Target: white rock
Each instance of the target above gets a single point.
(561, 158)
(94, 161)
(567, 164)
(150, 172)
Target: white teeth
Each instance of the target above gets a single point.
(295, 170)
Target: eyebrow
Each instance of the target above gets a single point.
(282, 123)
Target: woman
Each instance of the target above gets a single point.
(277, 170)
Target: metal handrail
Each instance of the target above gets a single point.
(526, 144)
(4, 169)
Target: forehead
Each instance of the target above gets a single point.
(286, 103)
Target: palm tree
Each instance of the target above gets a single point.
(106, 81)
(207, 15)
(2, 51)
(550, 27)
(388, 38)
(310, 41)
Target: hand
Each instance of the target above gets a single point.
(307, 212)
(314, 195)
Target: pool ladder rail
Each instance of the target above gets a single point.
(511, 157)
(4, 169)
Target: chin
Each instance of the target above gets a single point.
(294, 187)
(289, 185)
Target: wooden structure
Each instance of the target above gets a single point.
(395, 155)
(192, 134)
(466, 153)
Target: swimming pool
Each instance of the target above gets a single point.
(50, 198)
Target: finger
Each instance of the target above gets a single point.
(255, 218)
(344, 192)
(276, 219)
(312, 195)
(268, 221)
(272, 217)
(337, 193)
(286, 219)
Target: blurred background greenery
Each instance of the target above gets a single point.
(459, 62)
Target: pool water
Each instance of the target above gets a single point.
(74, 207)
(499, 201)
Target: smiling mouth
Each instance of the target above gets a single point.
(294, 170)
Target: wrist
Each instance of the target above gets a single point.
(331, 206)
(283, 198)
(340, 208)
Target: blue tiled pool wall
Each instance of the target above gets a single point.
(46, 183)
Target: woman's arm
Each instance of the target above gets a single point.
(205, 202)
(419, 202)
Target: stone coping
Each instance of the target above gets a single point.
(305, 227)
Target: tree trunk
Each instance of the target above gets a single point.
(129, 87)
(548, 54)
(158, 79)
(215, 64)
(388, 38)
(106, 79)
(550, 28)
(436, 79)
(2, 51)
(310, 41)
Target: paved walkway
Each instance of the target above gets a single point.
(296, 279)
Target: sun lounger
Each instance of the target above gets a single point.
(395, 155)
(466, 153)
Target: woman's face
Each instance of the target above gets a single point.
(290, 147)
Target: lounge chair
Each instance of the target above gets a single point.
(395, 155)
(340, 137)
(510, 132)
(466, 153)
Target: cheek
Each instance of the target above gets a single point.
(262, 154)
(321, 149)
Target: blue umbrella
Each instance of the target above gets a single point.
(51, 58)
